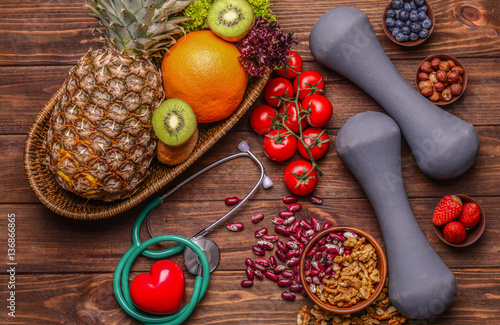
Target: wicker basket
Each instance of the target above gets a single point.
(73, 206)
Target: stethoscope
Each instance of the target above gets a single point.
(201, 255)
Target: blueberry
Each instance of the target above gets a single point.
(399, 23)
(405, 30)
(403, 15)
(400, 37)
(395, 31)
(415, 27)
(426, 23)
(419, 3)
(390, 13)
(396, 14)
(421, 15)
(413, 5)
(423, 33)
(414, 15)
(423, 8)
(413, 37)
(389, 22)
(407, 23)
(407, 6)
(397, 4)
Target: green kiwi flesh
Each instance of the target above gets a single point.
(174, 121)
(230, 19)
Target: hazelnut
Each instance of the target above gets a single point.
(432, 77)
(439, 86)
(460, 80)
(458, 69)
(451, 63)
(424, 84)
(441, 75)
(426, 67)
(423, 76)
(435, 63)
(426, 91)
(435, 96)
(453, 77)
(444, 65)
(447, 95)
(456, 89)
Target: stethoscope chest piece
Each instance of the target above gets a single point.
(211, 250)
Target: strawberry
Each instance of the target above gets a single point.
(454, 232)
(448, 209)
(470, 216)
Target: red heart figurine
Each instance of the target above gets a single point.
(161, 291)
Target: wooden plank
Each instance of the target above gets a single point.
(51, 244)
(89, 299)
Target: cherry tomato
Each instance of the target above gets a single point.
(292, 67)
(279, 145)
(295, 179)
(320, 110)
(292, 121)
(310, 82)
(276, 88)
(262, 117)
(320, 143)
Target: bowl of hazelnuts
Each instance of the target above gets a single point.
(441, 78)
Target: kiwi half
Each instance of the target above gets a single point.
(171, 156)
(230, 19)
(174, 122)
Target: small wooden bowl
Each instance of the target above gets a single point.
(473, 234)
(444, 57)
(430, 14)
(381, 266)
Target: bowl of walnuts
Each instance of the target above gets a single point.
(441, 78)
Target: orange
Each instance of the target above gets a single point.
(203, 70)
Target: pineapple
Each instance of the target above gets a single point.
(100, 140)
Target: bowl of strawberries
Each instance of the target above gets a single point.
(458, 220)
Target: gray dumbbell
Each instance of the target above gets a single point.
(420, 283)
(444, 145)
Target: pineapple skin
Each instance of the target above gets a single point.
(100, 141)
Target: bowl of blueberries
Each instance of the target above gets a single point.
(408, 22)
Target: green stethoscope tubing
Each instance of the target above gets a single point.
(122, 271)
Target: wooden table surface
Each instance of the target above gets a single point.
(65, 267)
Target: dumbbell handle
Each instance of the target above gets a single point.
(444, 145)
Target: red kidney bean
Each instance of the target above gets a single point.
(314, 272)
(328, 276)
(315, 224)
(271, 276)
(260, 232)
(257, 217)
(293, 262)
(303, 293)
(304, 240)
(315, 199)
(307, 264)
(331, 248)
(280, 255)
(295, 225)
(286, 214)
(296, 268)
(294, 207)
(282, 230)
(295, 287)
(350, 234)
(308, 279)
(246, 283)
(285, 282)
(249, 262)
(278, 269)
(292, 253)
(326, 225)
(267, 245)
(347, 251)
(288, 274)
(305, 224)
(301, 248)
(249, 272)
(329, 270)
(260, 267)
(316, 280)
(288, 296)
(298, 280)
(312, 287)
(312, 251)
(298, 234)
(281, 246)
(292, 245)
(317, 265)
(322, 241)
(232, 200)
(331, 256)
(289, 221)
(235, 226)
(262, 261)
(290, 199)
(258, 274)
(270, 238)
(318, 255)
(308, 233)
(258, 251)
(293, 237)
(278, 220)
(337, 237)
(327, 263)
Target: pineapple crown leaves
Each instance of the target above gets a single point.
(139, 27)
